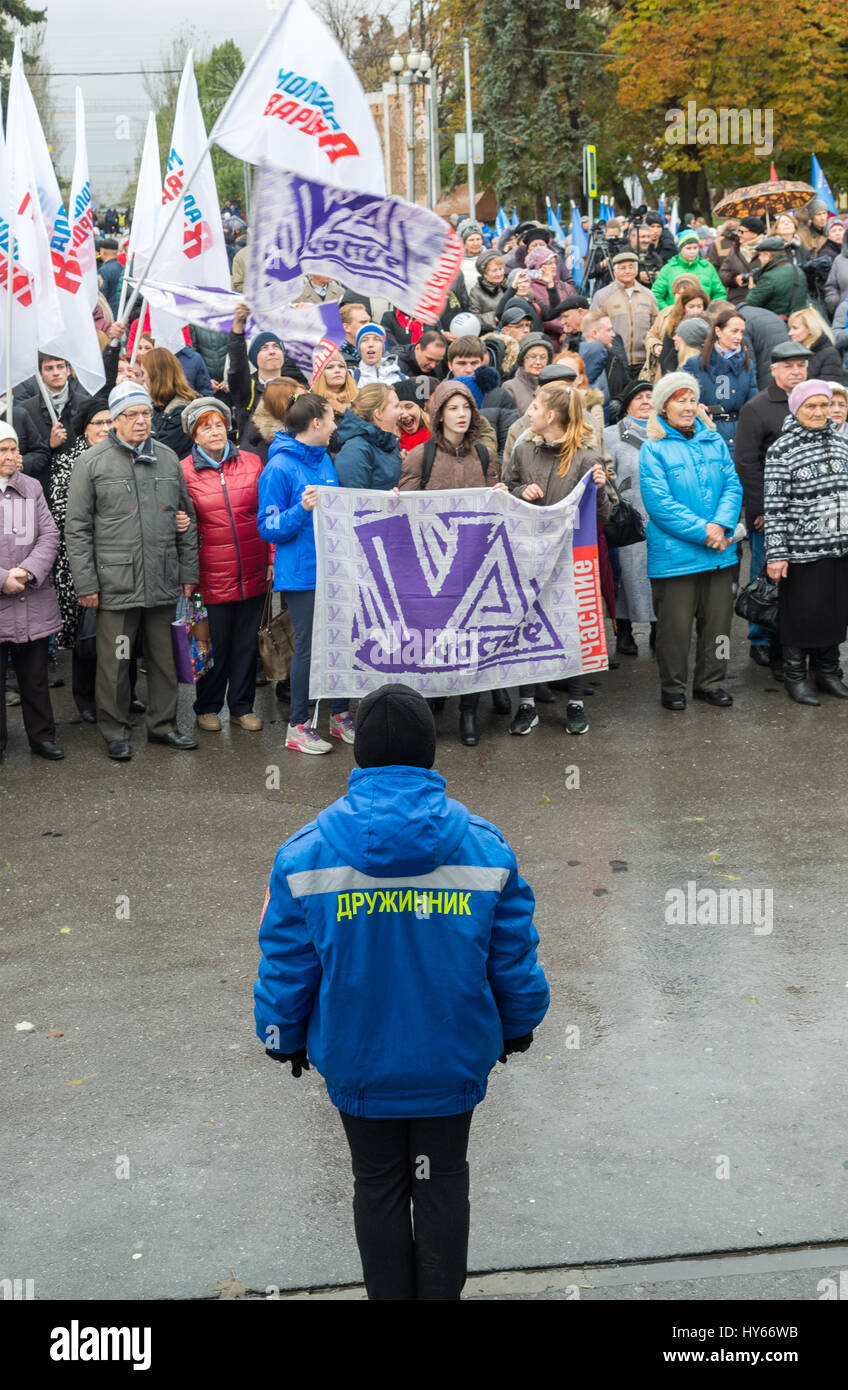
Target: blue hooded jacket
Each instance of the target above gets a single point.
(282, 519)
(398, 946)
(368, 457)
(685, 485)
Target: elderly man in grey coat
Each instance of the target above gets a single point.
(29, 612)
(129, 562)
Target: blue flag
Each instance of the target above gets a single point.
(555, 225)
(661, 208)
(515, 217)
(501, 222)
(822, 187)
(579, 245)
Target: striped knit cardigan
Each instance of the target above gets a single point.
(806, 494)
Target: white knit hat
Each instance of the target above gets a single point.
(667, 385)
(126, 395)
(6, 432)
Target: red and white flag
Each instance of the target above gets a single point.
(193, 251)
(24, 319)
(75, 337)
(29, 223)
(300, 106)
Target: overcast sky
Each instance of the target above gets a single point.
(85, 36)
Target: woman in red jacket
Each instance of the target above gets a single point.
(234, 561)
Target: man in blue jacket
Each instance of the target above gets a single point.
(399, 953)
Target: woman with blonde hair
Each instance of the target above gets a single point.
(170, 393)
(545, 467)
(592, 401)
(369, 443)
(660, 353)
(807, 327)
(335, 383)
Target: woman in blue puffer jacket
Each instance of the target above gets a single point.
(693, 497)
(369, 443)
(724, 372)
(298, 463)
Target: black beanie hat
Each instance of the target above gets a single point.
(394, 727)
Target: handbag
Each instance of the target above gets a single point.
(625, 525)
(276, 640)
(758, 601)
(191, 640)
(85, 643)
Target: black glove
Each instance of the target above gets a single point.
(512, 1045)
(297, 1059)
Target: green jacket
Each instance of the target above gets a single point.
(703, 270)
(781, 287)
(121, 529)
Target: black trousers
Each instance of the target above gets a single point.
(30, 662)
(410, 1205)
(233, 628)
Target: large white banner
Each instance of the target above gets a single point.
(454, 592)
(300, 106)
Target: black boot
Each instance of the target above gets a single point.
(501, 702)
(468, 733)
(652, 641)
(624, 638)
(795, 677)
(825, 672)
(776, 659)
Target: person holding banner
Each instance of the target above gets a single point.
(298, 463)
(454, 458)
(545, 467)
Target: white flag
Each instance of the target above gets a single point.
(88, 363)
(193, 251)
(76, 337)
(29, 222)
(300, 106)
(148, 201)
(24, 325)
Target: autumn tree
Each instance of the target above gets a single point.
(786, 68)
(538, 76)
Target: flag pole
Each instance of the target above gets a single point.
(10, 268)
(258, 53)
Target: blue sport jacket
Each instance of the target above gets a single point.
(282, 519)
(398, 946)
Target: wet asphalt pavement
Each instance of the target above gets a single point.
(684, 1095)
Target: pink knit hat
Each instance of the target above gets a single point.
(804, 390)
(538, 256)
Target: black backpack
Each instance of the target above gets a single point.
(430, 456)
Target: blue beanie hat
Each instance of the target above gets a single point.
(473, 387)
(370, 328)
(688, 235)
(259, 342)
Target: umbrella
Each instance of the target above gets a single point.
(764, 199)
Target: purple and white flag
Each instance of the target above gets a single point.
(453, 592)
(379, 246)
(301, 329)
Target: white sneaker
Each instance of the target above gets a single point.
(303, 739)
(342, 726)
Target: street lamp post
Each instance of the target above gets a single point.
(418, 67)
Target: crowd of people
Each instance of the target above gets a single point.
(700, 378)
